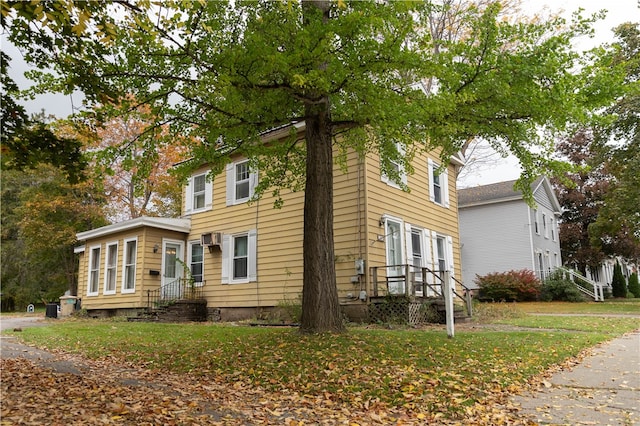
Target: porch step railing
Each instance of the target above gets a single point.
(417, 282)
(584, 284)
(180, 289)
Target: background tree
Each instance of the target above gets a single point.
(581, 202)
(619, 146)
(137, 180)
(41, 213)
(221, 73)
(634, 285)
(618, 283)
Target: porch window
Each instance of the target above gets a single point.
(196, 262)
(94, 272)
(111, 269)
(129, 276)
(239, 258)
(438, 184)
(241, 182)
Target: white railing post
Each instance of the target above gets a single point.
(448, 303)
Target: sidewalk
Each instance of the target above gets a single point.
(604, 389)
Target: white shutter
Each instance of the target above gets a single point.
(226, 258)
(432, 197)
(188, 196)
(253, 182)
(208, 194)
(444, 181)
(230, 169)
(252, 254)
(450, 264)
(408, 243)
(428, 260)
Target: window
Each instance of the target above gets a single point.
(129, 276)
(442, 254)
(535, 221)
(239, 258)
(196, 262)
(395, 166)
(199, 194)
(544, 225)
(111, 269)
(241, 182)
(552, 225)
(94, 271)
(438, 185)
(198, 191)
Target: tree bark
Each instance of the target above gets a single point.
(320, 306)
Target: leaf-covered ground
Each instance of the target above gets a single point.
(211, 374)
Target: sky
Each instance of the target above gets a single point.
(619, 11)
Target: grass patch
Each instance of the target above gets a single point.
(617, 306)
(402, 368)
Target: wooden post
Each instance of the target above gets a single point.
(375, 281)
(448, 303)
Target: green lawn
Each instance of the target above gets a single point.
(401, 368)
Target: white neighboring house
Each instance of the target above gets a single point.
(500, 232)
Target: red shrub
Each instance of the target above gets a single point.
(519, 286)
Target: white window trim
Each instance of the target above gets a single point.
(189, 253)
(227, 258)
(91, 249)
(536, 222)
(106, 269)
(231, 184)
(544, 225)
(208, 194)
(401, 171)
(124, 266)
(444, 183)
(448, 248)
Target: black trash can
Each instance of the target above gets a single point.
(52, 310)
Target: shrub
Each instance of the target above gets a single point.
(618, 284)
(634, 285)
(559, 288)
(511, 286)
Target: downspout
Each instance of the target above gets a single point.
(362, 188)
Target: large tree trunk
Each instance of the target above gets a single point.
(320, 306)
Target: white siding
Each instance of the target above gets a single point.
(495, 238)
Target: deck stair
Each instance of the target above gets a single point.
(583, 284)
(178, 301)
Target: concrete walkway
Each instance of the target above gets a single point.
(604, 389)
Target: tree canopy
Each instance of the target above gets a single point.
(356, 72)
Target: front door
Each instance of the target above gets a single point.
(172, 271)
(395, 269)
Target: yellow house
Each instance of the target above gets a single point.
(245, 258)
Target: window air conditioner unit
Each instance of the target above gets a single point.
(211, 240)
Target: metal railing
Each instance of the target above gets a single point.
(180, 289)
(415, 281)
(584, 284)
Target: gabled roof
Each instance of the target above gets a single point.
(502, 192)
(169, 224)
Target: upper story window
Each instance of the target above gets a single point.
(129, 266)
(438, 184)
(535, 221)
(111, 269)
(94, 271)
(241, 182)
(397, 168)
(198, 194)
(552, 225)
(544, 225)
